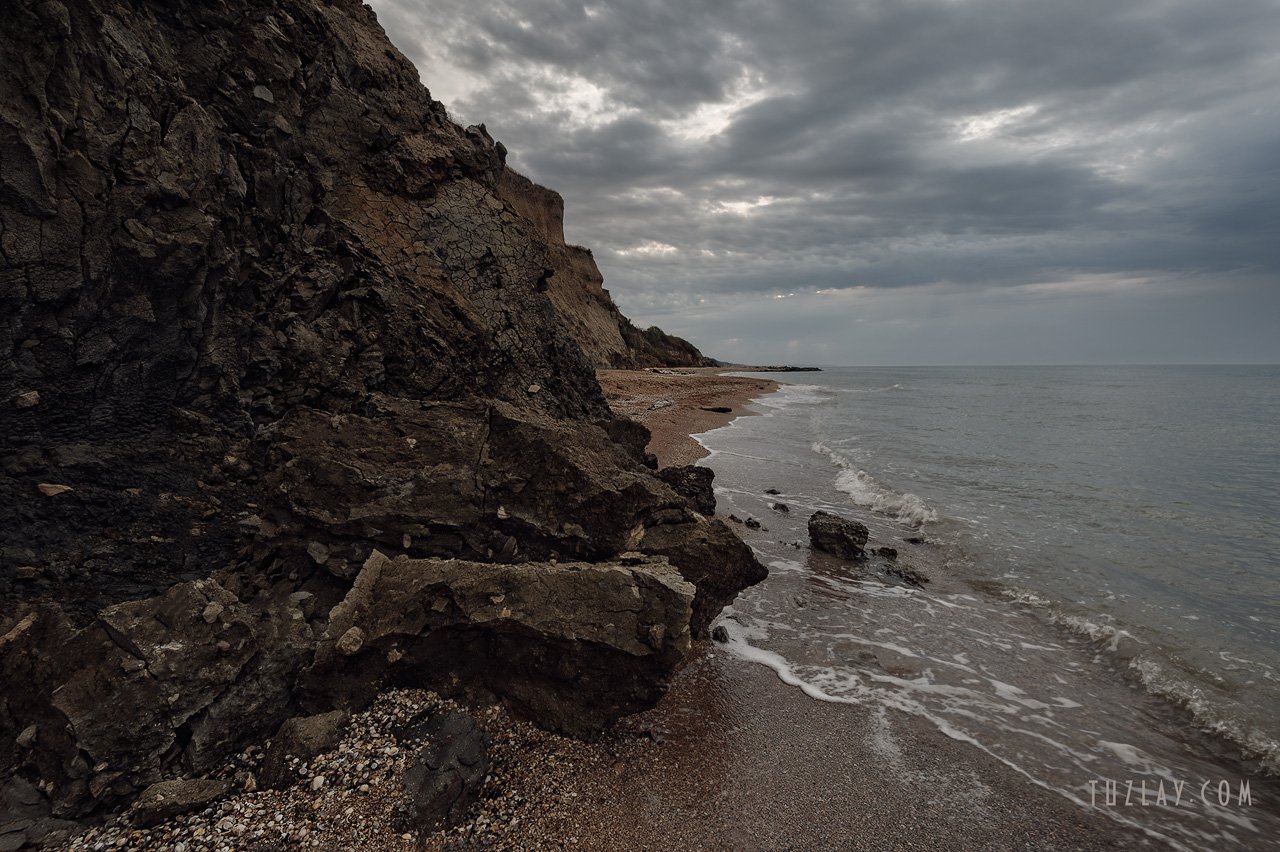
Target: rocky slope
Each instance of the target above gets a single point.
(290, 407)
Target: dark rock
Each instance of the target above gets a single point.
(694, 484)
(572, 645)
(303, 737)
(168, 799)
(907, 575)
(718, 409)
(915, 539)
(837, 536)
(752, 524)
(719, 634)
(780, 507)
(772, 491)
(735, 519)
(448, 772)
(283, 314)
(20, 801)
(52, 832)
(889, 553)
(13, 836)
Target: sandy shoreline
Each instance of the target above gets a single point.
(691, 391)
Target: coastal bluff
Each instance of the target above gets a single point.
(297, 402)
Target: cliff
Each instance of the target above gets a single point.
(576, 290)
(296, 401)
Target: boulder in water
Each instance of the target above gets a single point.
(837, 536)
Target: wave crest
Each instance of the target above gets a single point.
(869, 493)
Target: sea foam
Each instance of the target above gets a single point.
(870, 493)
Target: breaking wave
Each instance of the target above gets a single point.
(869, 493)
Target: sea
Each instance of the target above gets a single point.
(1102, 548)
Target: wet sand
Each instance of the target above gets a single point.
(634, 393)
(743, 761)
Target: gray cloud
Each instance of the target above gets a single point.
(957, 154)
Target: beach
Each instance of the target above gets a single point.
(673, 404)
(732, 757)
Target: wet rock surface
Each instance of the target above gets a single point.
(838, 536)
(273, 328)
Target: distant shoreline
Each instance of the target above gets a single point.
(677, 403)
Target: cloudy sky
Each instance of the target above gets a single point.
(897, 181)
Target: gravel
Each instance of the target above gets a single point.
(353, 797)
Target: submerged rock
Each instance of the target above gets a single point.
(837, 536)
(907, 575)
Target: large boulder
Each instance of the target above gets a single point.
(487, 484)
(150, 689)
(710, 556)
(837, 536)
(571, 645)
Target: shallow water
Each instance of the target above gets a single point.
(1103, 545)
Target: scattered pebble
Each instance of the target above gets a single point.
(353, 797)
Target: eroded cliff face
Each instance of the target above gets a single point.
(577, 293)
(268, 317)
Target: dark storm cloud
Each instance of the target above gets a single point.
(712, 151)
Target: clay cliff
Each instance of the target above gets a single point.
(577, 293)
(297, 401)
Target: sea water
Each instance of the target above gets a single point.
(1104, 548)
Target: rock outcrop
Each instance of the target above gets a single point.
(693, 483)
(290, 407)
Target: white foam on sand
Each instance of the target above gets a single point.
(898, 700)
